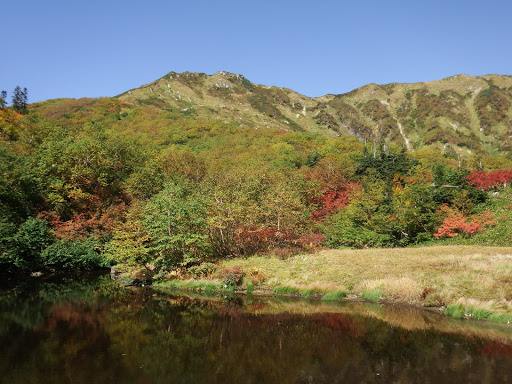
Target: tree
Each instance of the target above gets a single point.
(175, 220)
(386, 164)
(32, 237)
(235, 209)
(20, 194)
(19, 100)
(365, 221)
(414, 212)
(3, 97)
(130, 239)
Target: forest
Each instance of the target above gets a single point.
(90, 183)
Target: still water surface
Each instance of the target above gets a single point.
(90, 330)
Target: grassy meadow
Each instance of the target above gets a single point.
(464, 281)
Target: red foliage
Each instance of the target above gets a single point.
(455, 223)
(82, 225)
(253, 239)
(489, 180)
(311, 240)
(255, 234)
(78, 227)
(331, 201)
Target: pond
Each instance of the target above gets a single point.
(88, 329)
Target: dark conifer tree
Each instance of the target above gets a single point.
(3, 99)
(19, 100)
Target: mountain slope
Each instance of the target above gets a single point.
(228, 97)
(460, 115)
(462, 112)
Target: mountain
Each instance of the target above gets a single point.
(459, 115)
(229, 97)
(464, 113)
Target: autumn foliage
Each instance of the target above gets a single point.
(164, 188)
(455, 223)
(490, 180)
(331, 201)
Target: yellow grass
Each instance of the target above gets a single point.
(441, 274)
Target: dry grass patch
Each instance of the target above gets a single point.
(307, 290)
(401, 289)
(402, 274)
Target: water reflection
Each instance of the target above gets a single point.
(93, 331)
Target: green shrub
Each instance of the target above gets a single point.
(373, 295)
(310, 292)
(31, 238)
(340, 232)
(284, 290)
(202, 270)
(455, 310)
(478, 313)
(192, 285)
(423, 237)
(500, 318)
(333, 296)
(74, 255)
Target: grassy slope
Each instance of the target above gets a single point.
(229, 98)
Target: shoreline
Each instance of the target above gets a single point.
(464, 281)
(401, 315)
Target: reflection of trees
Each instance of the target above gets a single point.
(29, 303)
(138, 336)
(50, 330)
(207, 342)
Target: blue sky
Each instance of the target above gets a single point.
(102, 48)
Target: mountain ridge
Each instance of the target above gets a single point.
(459, 115)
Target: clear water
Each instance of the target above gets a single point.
(90, 330)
